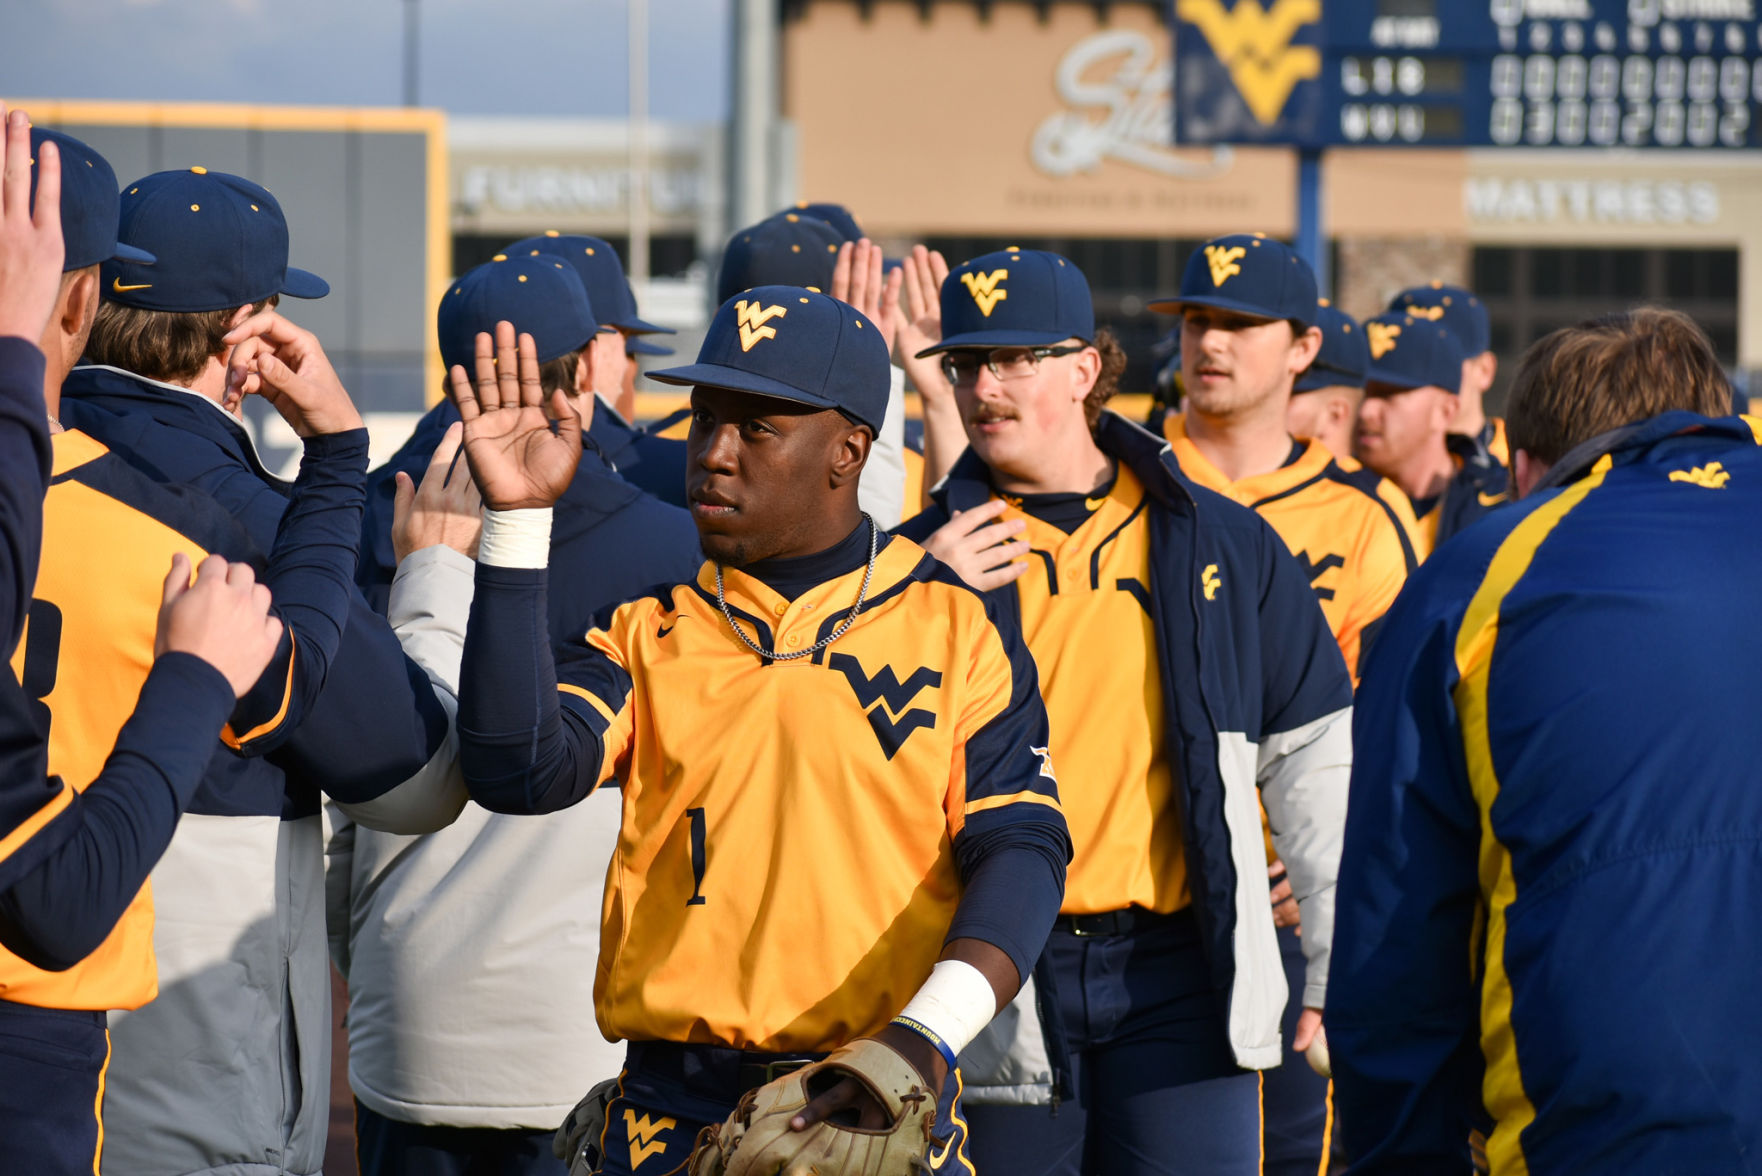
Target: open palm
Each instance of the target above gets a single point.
(516, 458)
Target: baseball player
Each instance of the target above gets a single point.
(89, 646)
(1189, 676)
(1564, 704)
(1325, 399)
(470, 952)
(1465, 316)
(1403, 433)
(72, 859)
(841, 825)
(1251, 326)
(376, 737)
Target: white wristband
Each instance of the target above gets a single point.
(955, 1003)
(516, 538)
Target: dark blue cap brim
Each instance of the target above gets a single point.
(1314, 380)
(715, 375)
(1404, 382)
(996, 339)
(300, 283)
(130, 253)
(638, 326)
(1179, 306)
(642, 347)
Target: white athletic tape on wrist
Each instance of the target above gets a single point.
(955, 1003)
(516, 538)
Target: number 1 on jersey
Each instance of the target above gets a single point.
(696, 816)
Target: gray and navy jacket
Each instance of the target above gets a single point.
(244, 993)
(1258, 705)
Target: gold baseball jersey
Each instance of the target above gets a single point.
(785, 873)
(1085, 607)
(108, 539)
(1353, 531)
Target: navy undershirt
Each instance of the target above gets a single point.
(791, 577)
(1066, 510)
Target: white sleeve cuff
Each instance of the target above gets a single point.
(516, 538)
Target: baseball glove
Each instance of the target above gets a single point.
(577, 1141)
(756, 1139)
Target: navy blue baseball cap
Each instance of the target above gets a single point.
(221, 241)
(794, 344)
(1014, 298)
(634, 346)
(91, 209)
(1247, 273)
(541, 296)
(601, 273)
(1458, 310)
(836, 215)
(1344, 357)
(1408, 352)
(789, 249)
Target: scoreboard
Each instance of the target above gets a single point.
(1469, 73)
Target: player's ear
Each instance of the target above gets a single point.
(1304, 349)
(1084, 372)
(851, 454)
(79, 302)
(584, 372)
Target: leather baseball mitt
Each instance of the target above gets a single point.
(756, 1139)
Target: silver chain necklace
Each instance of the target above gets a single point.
(810, 651)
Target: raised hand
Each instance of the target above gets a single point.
(31, 251)
(519, 462)
(445, 510)
(923, 273)
(221, 617)
(858, 278)
(286, 365)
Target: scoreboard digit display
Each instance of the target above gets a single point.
(1470, 73)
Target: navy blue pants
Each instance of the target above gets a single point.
(668, 1093)
(51, 1081)
(1299, 1102)
(389, 1147)
(1158, 1091)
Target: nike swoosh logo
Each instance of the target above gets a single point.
(662, 630)
(116, 285)
(1491, 499)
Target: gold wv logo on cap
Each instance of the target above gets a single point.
(1382, 338)
(983, 288)
(752, 317)
(1223, 262)
(1429, 313)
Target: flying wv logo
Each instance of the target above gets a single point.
(752, 318)
(884, 696)
(1253, 41)
(983, 288)
(643, 1134)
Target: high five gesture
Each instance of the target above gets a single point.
(517, 458)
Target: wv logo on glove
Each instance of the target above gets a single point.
(885, 695)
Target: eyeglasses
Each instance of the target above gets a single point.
(1006, 363)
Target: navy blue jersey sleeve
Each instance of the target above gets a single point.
(1302, 672)
(24, 477)
(1013, 845)
(1403, 1011)
(375, 723)
(63, 887)
(521, 749)
(311, 572)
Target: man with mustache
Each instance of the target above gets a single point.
(836, 782)
(1404, 427)
(1188, 675)
(1251, 326)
